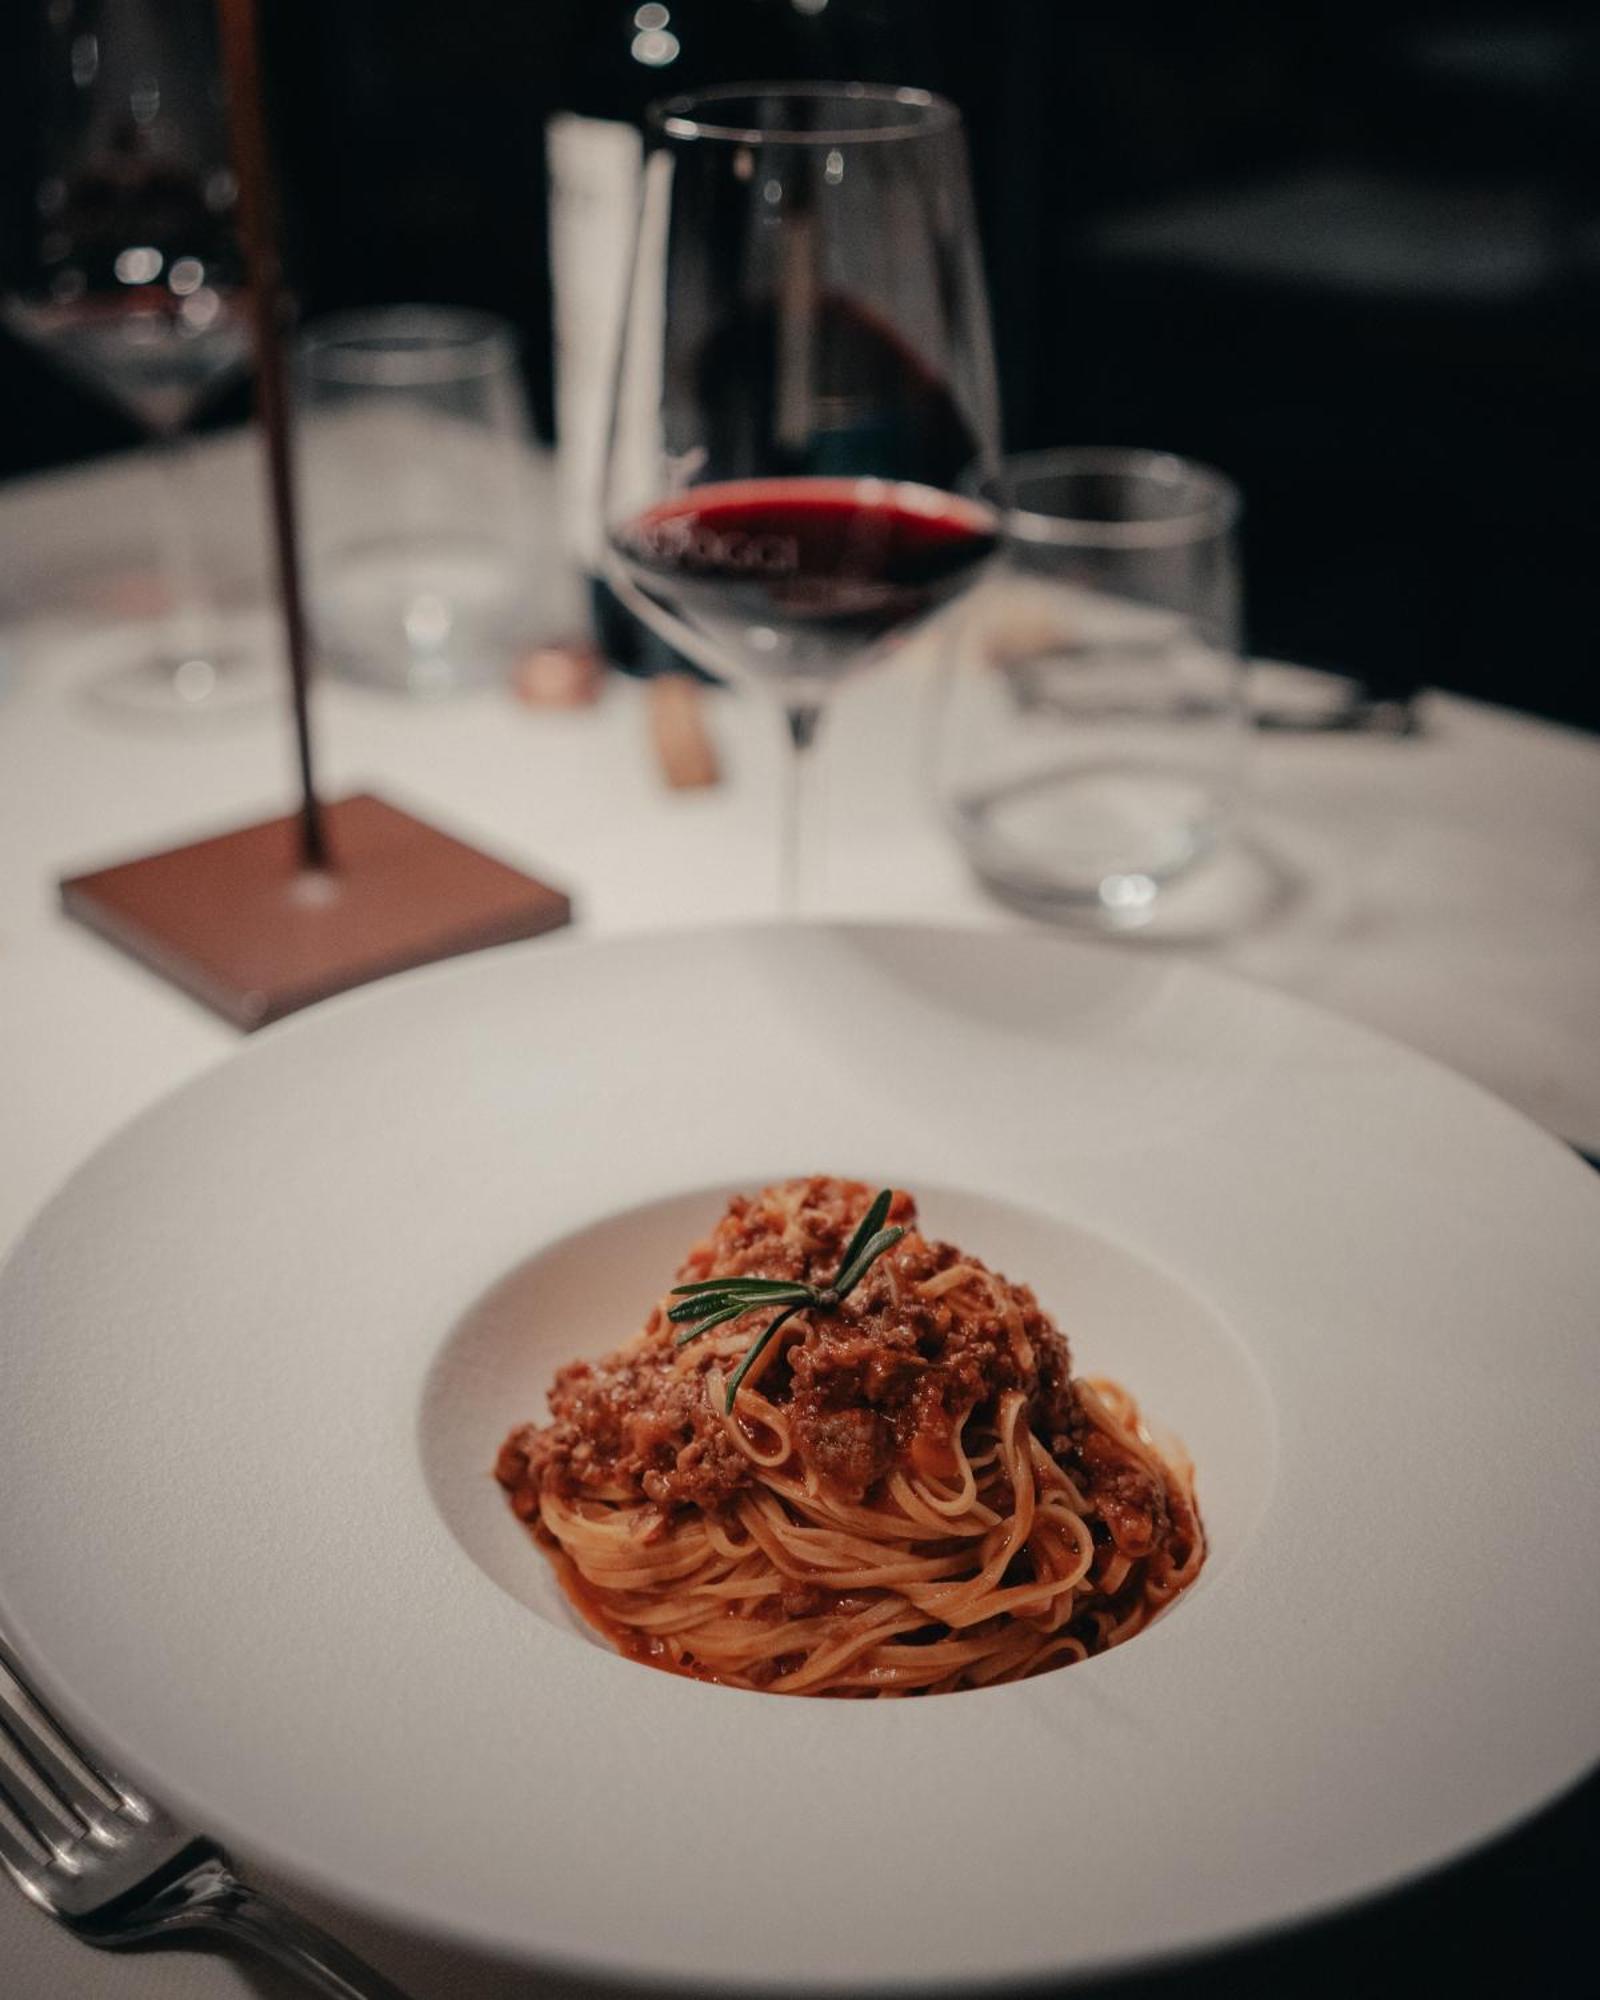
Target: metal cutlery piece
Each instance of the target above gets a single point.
(1371, 707)
(112, 1868)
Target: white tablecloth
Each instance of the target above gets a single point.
(1445, 889)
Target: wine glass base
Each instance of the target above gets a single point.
(167, 687)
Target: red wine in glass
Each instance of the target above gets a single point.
(803, 575)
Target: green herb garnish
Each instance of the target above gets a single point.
(711, 1301)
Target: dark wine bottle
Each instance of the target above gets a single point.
(629, 55)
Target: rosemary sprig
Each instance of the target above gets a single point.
(709, 1302)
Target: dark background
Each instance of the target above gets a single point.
(1348, 252)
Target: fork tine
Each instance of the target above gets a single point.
(50, 1756)
(21, 1850)
(34, 1803)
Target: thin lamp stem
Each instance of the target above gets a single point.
(242, 61)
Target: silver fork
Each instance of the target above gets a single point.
(111, 1867)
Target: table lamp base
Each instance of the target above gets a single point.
(237, 922)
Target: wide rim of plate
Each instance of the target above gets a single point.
(1216, 1129)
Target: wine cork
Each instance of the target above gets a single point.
(684, 749)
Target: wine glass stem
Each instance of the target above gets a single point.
(189, 625)
(798, 835)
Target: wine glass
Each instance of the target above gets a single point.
(805, 402)
(125, 270)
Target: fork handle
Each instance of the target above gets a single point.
(211, 1897)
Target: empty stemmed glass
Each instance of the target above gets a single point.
(123, 266)
(805, 403)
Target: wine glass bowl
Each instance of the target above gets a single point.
(805, 406)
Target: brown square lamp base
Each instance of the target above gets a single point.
(239, 924)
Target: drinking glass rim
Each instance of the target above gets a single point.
(368, 345)
(673, 117)
(1213, 500)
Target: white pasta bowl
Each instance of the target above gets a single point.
(260, 1351)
